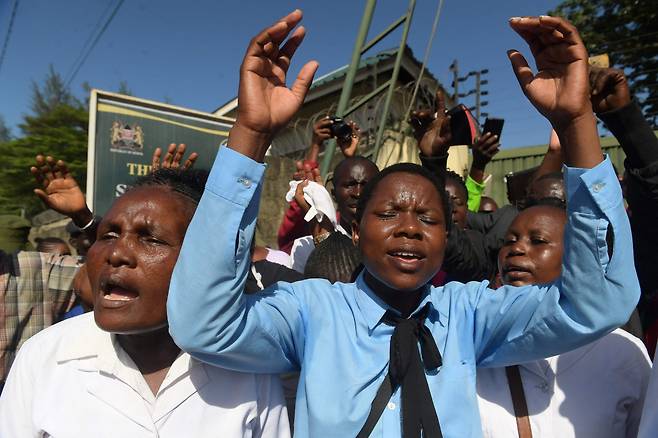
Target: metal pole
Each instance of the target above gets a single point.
(349, 79)
(454, 68)
(394, 77)
(477, 96)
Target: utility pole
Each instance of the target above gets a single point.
(454, 68)
(478, 92)
(479, 82)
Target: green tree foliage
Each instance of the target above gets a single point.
(627, 30)
(57, 127)
(5, 132)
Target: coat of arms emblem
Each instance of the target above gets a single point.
(126, 138)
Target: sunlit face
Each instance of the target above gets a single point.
(532, 250)
(402, 233)
(349, 181)
(131, 263)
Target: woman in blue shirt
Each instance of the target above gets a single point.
(361, 372)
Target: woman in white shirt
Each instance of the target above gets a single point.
(594, 391)
(117, 372)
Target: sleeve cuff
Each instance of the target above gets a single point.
(592, 190)
(472, 184)
(234, 176)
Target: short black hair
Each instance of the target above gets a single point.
(189, 182)
(555, 176)
(550, 201)
(410, 168)
(355, 159)
(457, 179)
(335, 259)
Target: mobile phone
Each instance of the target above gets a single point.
(495, 126)
(463, 125)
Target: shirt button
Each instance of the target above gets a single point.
(391, 406)
(598, 187)
(245, 182)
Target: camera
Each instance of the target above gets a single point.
(340, 129)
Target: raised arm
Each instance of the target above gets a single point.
(596, 292)
(59, 191)
(209, 316)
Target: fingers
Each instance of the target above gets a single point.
(155, 160)
(446, 129)
(521, 69)
(299, 195)
(440, 101)
(289, 48)
(47, 170)
(175, 163)
(268, 40)
(190, 161)
(169, 156)
(316, 176)
(304, 80)
(41, 195)
(486, 141)
(556, 24)
(323, 123)
(546, 32)
(62, 170)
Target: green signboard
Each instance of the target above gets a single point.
(125, 131)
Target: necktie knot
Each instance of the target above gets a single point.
(406, 369)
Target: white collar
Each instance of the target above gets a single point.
(90, 342)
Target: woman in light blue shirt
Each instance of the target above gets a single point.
(355, 344)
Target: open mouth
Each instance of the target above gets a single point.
(407, 255)
(115, 293)
(407, 260)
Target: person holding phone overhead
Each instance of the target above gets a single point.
(359, 344)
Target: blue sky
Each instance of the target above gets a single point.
(190, 52)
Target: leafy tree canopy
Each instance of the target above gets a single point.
(627, 30)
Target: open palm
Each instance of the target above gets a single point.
(57, 187)
(265, 103)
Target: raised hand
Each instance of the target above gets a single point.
(432, 129)
(59, 190)
(348, 147)
(173, 158)
(265, 104)
(484, 149)
(609, 89)
(321, 132)
(560, 88)
(306, 172)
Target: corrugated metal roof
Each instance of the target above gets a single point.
(518, 159)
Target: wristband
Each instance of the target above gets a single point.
(91, 222)
(321, 238)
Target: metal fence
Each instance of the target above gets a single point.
(510, 161)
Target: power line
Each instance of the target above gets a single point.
(94, 31)
(93, 44)
(9, 30)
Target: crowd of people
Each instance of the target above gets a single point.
(401, 302)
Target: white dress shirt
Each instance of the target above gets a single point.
(649, 424)
(74, 380)
(596, 391)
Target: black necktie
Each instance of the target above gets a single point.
(406, 369)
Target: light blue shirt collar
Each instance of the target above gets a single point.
(372, 307)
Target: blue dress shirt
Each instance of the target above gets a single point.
(333, 332)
